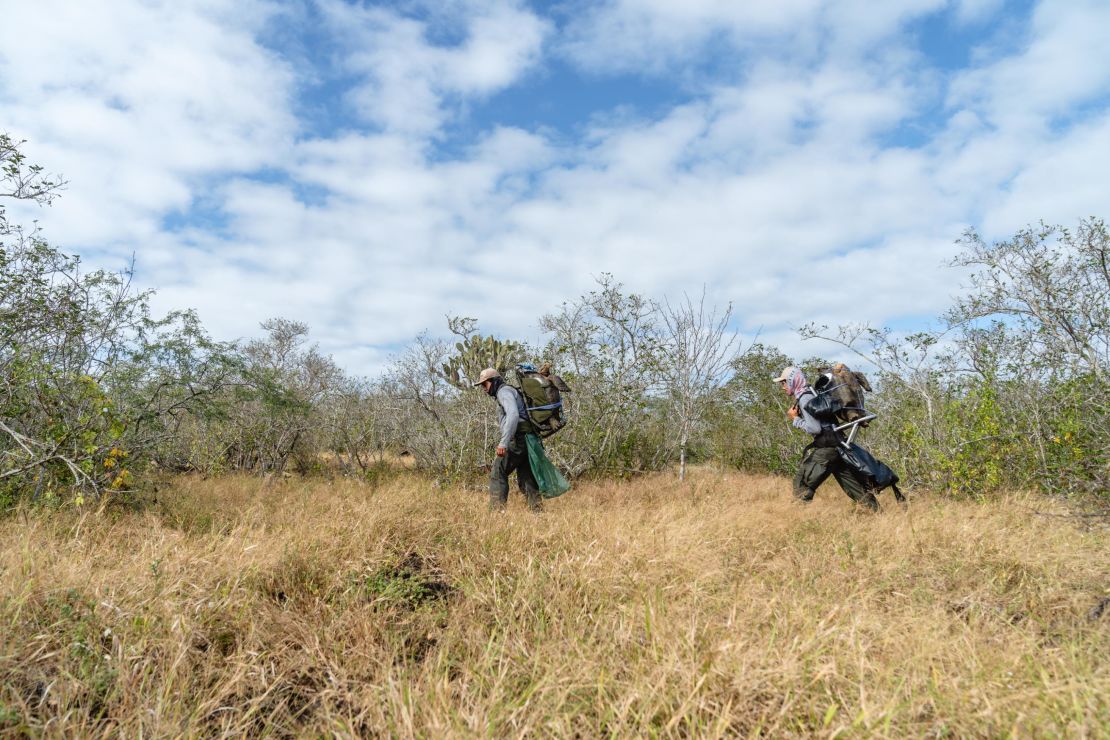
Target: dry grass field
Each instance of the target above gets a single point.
(716, 607)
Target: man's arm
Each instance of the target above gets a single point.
(510, 420)
(804, 420)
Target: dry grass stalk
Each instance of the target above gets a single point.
(716, 607)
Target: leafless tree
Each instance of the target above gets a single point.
(606, 345)
(446, 429)
(696, 351)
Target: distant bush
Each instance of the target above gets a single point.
(95, 392)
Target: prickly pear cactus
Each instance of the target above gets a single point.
(474, 354)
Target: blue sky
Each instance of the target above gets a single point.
(370, 167)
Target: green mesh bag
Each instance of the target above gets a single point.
(548, 478)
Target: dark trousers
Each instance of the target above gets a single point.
(818, 463)
(516, 459)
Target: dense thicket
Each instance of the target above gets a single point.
(96, 393)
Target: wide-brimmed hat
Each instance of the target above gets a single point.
(786, 373)
(488, 374)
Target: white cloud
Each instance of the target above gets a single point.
(792, 187)
(975, 11)
(409, 80)
(652, 35)
(656, 35)
(135, 102)
(1067, 181)
(1065, 63)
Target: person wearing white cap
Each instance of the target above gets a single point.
(512, 450)
(821, 458)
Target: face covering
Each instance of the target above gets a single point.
(494, 385)
(796, 383)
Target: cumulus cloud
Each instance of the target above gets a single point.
(813, 165)
(975, 11)
(655, 36)
(408, 81)
(137, 102)
(1064, 64)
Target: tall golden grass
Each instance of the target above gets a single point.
(714, 607)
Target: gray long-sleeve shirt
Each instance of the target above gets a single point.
(805, 420)
(508, 413)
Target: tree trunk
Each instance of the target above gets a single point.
(682, 458)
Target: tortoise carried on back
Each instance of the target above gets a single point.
(840, 395)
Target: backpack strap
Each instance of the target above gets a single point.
(521, 408)
(556, 405)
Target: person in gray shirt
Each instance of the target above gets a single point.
(512, 450)
(821, 458)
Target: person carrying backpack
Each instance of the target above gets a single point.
(512, 449)
(821, 457)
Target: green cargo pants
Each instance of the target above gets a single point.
(515, 459)
(818, 463)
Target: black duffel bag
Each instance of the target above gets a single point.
(823, 407)
(876, 474)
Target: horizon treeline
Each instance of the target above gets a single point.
(99, 396)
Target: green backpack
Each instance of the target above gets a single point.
(543, 404)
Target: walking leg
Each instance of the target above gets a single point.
(854, 487)
(526, 480)
(499, 484)
(812, 472)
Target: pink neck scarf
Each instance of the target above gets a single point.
(796, 383)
